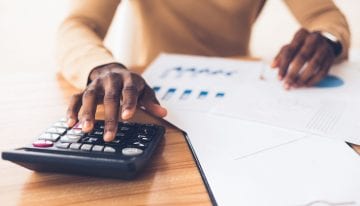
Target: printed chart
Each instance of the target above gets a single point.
(166, 94)
(182, 71)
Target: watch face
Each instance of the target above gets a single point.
(330, 36)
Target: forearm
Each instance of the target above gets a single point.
(80, 40)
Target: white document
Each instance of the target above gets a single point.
(331, 109)
(354, 55)
(255, 162)
(179, 82)
(294, 171)
(222, 137)
(250, 91)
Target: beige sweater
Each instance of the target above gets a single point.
(202, 27)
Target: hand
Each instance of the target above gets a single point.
(305, 61)
(110, 85)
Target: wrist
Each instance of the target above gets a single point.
(333, 42)
(111, 67)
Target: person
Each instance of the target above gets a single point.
(212, 28)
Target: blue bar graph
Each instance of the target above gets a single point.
(220, 95)
(185, 95)
(170, 92)
(180, 71)
(203, 94)
(156, 89)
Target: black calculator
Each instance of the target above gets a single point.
(69, 150)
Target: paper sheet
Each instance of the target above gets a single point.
(179, 82)
(295, 170)
(251, 91)
(235, 139)
(331, 109)
(256, 162)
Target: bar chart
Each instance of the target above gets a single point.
(168, 93)
(182, 71)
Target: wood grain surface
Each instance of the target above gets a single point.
(32, 101)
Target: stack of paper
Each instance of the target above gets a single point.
(258, 144)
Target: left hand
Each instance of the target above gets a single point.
(305, 61)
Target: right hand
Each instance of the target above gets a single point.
(111, 84)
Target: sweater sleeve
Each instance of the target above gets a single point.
(325, 16)
(80, 39)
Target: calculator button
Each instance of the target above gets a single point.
(97, 148)
(144, 138)
(62, 145)
(56, 130)
(99, 124)
(120, 134)
(147, 130)
(86, 147)
(90, 140)
(61, 124)
(98, 133)
(124, 128)
(42, 143)
(70, 138)
(75, 132)
(129, 151)
(140, 144)
(115, 141)
(109, 149)
(49, 136)
(75, 146)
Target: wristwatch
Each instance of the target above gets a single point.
(333, 41)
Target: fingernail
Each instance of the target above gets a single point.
(163, 111)
(280, 77)
(108, 136)
(71, 122)
(160, 111)
(273, 64)
(125, 114)
(287, 86)
(87, 125)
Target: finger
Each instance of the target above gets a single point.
(276, 61)
(324, 70)
(130, 94)
(112, 89)
(73, 109)
(287, 54)
(313, 65)
(305, 53)
(298, 39)
(151, 104)
(89, 100)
